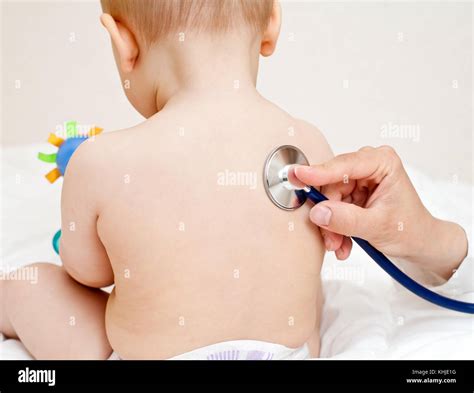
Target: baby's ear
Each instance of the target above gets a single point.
(123, 41)
(270, 36)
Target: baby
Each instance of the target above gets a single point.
(203, 266)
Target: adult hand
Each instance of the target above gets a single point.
(371, 197)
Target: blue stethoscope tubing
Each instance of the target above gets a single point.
(315, 196)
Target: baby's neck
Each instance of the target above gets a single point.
(205, 66)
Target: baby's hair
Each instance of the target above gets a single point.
(154, 19)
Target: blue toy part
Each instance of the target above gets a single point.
(66, 150)
(56, 238)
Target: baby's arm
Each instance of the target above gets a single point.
(82, 252)
(56, 317)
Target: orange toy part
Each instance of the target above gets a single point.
(53, 175)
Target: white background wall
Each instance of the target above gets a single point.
(355, 69)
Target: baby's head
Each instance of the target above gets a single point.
(157, 44)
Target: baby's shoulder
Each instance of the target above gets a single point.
(97, 158)
(304, 134)
(96, 150)
(315, 144)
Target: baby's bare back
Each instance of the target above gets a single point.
(200, 254)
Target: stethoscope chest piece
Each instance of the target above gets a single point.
(274, 174)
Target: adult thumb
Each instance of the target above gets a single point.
(344, 218)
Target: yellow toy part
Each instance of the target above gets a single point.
(55, 140)
(95, 131)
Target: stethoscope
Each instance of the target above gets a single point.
(287, 196)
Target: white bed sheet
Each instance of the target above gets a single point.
(366, 315)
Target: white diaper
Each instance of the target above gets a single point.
(242, 350)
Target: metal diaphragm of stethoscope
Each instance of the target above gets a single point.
(288, 196)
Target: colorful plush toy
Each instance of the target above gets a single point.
(66, 148)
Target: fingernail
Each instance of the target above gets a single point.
(320, 215)
(301, 170)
